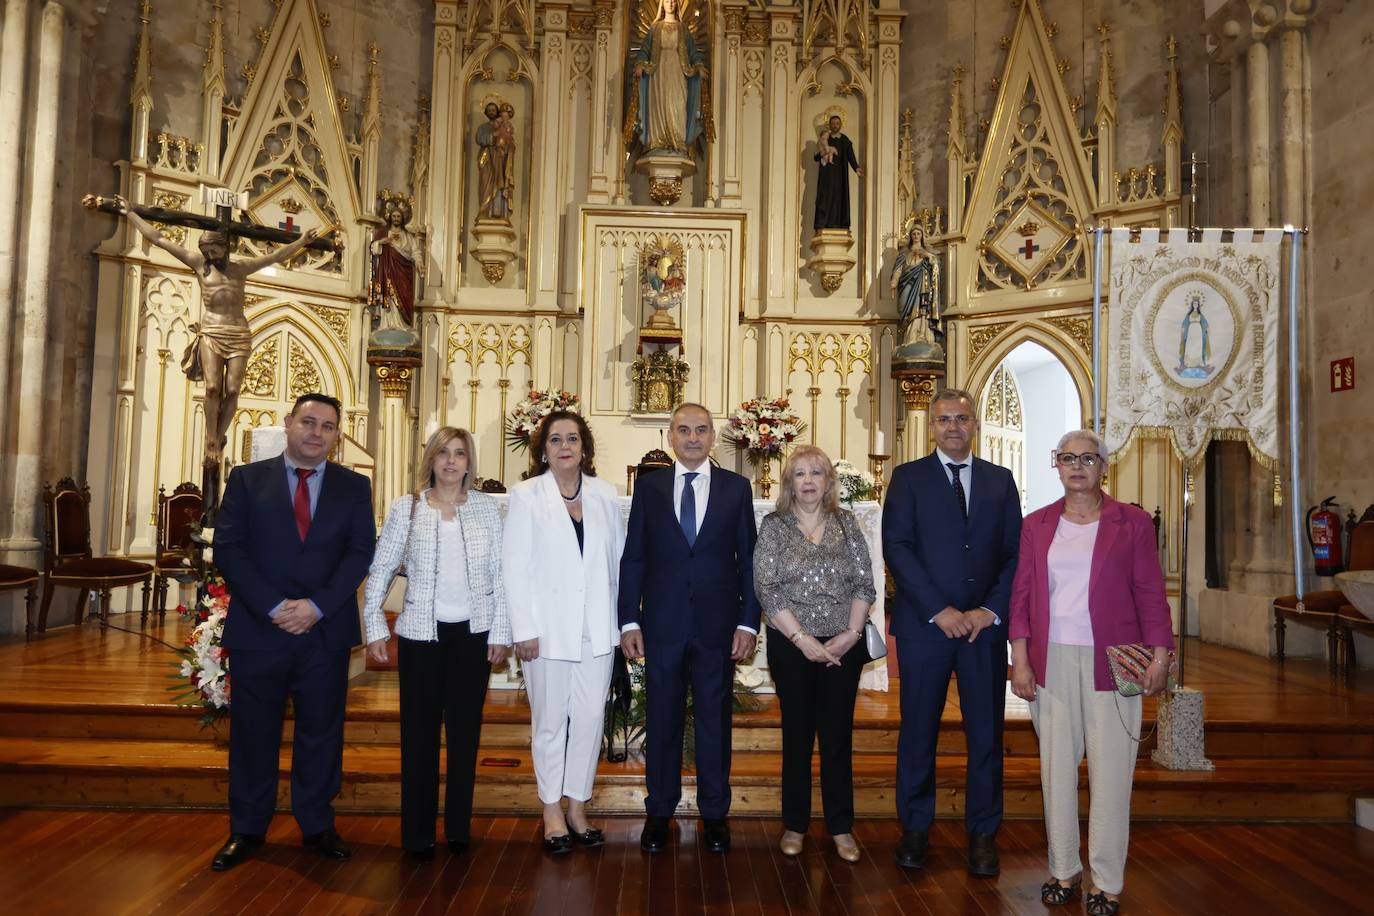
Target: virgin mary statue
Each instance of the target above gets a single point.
(665, 102)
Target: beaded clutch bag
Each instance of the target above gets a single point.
(1128, 663)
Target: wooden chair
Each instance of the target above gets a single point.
(1348, 617)
(1324, 608)
(177, 517)
(13, 578)
(67, 558)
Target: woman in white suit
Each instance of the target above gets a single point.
(563, 541)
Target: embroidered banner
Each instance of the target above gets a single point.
(1193, 342)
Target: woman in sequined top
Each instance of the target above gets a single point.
(814, 578)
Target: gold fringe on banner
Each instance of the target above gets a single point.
(1278, 492)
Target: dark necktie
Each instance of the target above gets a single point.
(954, 470)
(687, 509)
(302, 501)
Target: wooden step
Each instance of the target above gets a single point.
(506, 724)
(179, 774)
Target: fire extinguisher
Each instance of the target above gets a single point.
(1324, 537)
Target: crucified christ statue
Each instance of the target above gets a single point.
(218, 353)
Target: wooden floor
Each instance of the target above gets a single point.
(115, 862)
(85, 720)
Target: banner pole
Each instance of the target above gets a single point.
(1294, 451)
(1097, 324)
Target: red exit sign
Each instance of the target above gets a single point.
(1343, 374)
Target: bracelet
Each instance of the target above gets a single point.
(858, 633)
(796, 637)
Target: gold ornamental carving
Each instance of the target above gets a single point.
(831, 281)
(665, 191)
(1080, 329)
(303, 376)
(394, 379)
(260, 376)
(335, 319)
(172, 201)
(493, 271)
(979, 338)
(660, 378)
(917, 392)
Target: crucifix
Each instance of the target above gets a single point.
(221, 340)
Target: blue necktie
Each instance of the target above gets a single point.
(687, 510)
(958, 483)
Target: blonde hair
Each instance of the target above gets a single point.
(424, 470)
(830, 502)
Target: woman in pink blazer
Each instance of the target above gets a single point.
(1088, 577)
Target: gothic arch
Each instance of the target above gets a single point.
(1032, 330)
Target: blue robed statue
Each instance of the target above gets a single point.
(668, 71)
(916, 287)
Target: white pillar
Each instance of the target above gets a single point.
(542, 271)
(601, 136)
(13, 58)
(783, 180)
(445, 205)
(28, 464)
(1257, 78)
(729, 135)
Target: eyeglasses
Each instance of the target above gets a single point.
(1070, 460)
(960, 420)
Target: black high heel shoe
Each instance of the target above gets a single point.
(592, 836)
(558, 845)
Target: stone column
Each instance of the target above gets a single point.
(917, 390)
(443, 211)
(728, 104)
(13, 57)
(1291, 147)
(1257, 78)
(1240, 192)
(394, 433)
(780, 158)
(28, 462)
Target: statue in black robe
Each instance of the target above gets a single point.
(832, 178)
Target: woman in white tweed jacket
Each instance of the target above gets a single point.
(453, 629)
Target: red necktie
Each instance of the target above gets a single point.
(302, 501)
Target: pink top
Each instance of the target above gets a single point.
(1070, 564)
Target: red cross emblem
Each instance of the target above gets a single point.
(1030, 249)
(289, 224)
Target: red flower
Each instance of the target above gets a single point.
(216, 590)
(181, 609)
(204, 615)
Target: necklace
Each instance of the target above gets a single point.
(576, 494)
(812, 532)
(1084, 513)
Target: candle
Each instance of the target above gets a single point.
(879, 441)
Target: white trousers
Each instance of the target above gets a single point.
(1070, 714)
(567, 708)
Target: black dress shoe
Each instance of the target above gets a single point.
(589, 837)
(911, 850)
(655, 835)
(235, 850)
(328, 844)
(458, 847)
(421, 855)
(558, 845)
(717, 835)
(982, 855)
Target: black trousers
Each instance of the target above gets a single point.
(817, 702)
(443, 682)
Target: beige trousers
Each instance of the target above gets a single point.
(1071, 715)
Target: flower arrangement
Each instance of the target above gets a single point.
(203, 672)
(626, 724)
(763, 429)
(855, 484)
(537, 405)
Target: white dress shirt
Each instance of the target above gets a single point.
(451, 590)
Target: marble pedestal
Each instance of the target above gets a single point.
(1180, 742)
(831, 256)
(666, 171)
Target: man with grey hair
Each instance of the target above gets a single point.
(951, 534)
(687, 606)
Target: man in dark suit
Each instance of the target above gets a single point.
(951, 532)
(687, 605)
(293, 539)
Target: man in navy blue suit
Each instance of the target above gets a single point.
(687, 606)
(293, 539)
(951, 532)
